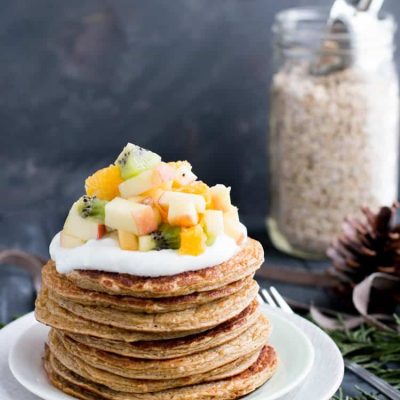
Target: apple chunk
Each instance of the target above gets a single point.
(79, 227)
(129, 216)
(182, 213)
(213, 224)
(221, 197)
(232, 213)
(234, 228)
(69, 241)
(147, 180)
(169, 198)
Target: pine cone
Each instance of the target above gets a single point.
(366, 245)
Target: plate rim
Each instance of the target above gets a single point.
(291, 319)
(27, 384)
(312, 326)
(291, 386)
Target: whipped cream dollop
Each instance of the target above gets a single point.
(106, 255)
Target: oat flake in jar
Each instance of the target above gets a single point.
(333, 143)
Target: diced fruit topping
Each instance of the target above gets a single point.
(199, 188)
(183, 174)
(137, 185)
(69, 241)
(221, 197)
(146, 180)
(232, 213)
(92, 208)
(146, 204)
(167, 237)
(182, 213)
(234, 229)
(129, 216)
(133, 160)
(127, 240)
(101, 231)
(147, 243)
(183, 208)
(213, 225)
(168, 198)
(104, 183)
(79, 227)
(193, 241)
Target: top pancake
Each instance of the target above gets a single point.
(67, 290)
(243, 264)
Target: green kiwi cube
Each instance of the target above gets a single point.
(92, 208)
(133, 160)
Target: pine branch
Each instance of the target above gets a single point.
(378, 351)
(363, 396)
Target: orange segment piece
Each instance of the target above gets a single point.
(104, 183)
(193, 241)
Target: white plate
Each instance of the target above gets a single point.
(293, 346)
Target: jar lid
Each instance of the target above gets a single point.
(307, 27)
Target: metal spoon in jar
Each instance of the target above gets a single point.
(336, 53)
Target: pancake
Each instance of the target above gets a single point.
(50, 313)
(252, 339)
(224, 389)
(243, 264)
(118, 383)
(65, 289)
(201, 317)
(165, 349)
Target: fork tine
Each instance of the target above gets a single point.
(280, 300)
(268, 298)
(260, 299)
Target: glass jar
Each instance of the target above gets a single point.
(333, 143)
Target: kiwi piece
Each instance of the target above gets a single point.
(167, 237)
(92, 208)
(133, 160)
(210, 239)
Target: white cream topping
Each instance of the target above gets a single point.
(106, 255)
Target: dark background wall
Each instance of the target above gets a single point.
(79, 78)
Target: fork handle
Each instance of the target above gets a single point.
(378, 383)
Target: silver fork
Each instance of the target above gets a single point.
(274, 299)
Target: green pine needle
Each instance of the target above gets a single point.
(376, 350)
(363, 396)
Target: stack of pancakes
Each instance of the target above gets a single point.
(196, 335)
